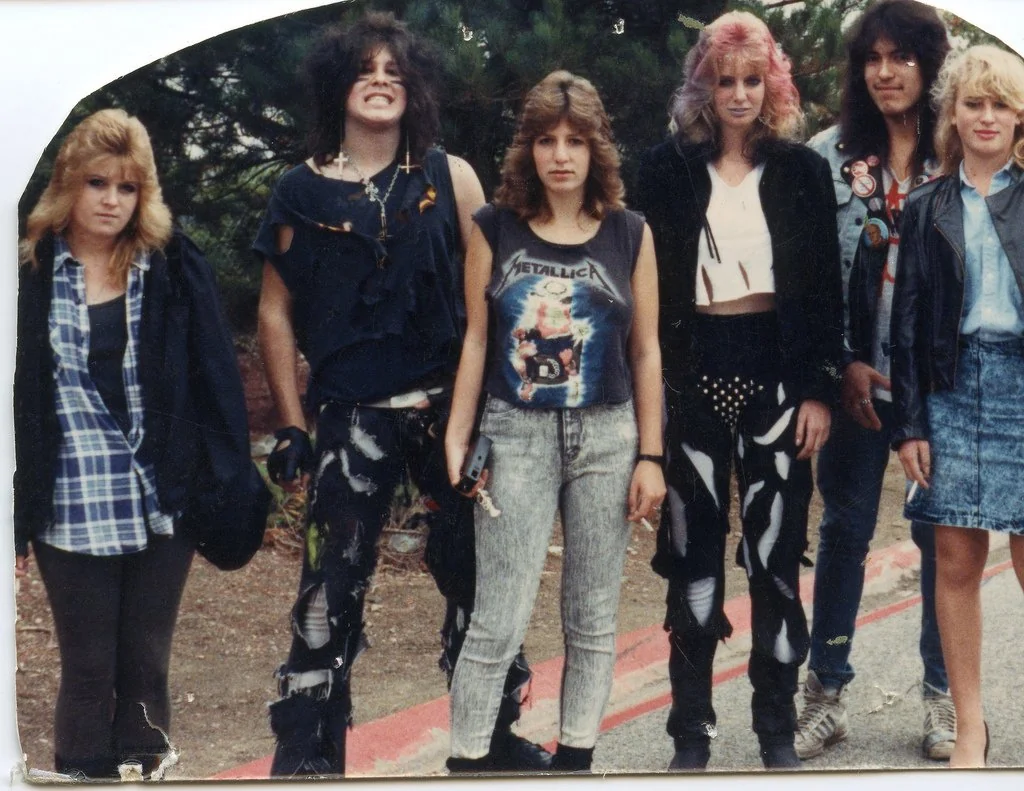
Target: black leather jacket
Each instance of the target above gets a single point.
(928, 303)
(799, 204)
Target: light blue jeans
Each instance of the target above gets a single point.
(578, 461)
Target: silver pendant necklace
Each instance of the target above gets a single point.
(371, 190)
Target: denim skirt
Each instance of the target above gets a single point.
(977, 442)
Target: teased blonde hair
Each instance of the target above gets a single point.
(983, 71)
(107, 134)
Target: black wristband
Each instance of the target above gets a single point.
(659, 460)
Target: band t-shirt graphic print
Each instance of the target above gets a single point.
(881, 356)
(561, 313)
(549, 343)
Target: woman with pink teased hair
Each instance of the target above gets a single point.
(744, 229)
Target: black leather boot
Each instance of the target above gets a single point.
(692, 755)
(780, 756)
(510, 752)
(98, 768)
(469, 766)
(575, 760)
(310, 735)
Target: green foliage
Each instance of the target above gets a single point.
(964, 34)
(228, 115)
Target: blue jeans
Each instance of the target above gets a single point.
(850, 472)
(579, 461)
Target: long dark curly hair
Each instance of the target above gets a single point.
(332, 66)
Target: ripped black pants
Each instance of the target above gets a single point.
(363, 453)
(736, 412)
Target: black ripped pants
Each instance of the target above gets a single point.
(363, 453)
(737, 411)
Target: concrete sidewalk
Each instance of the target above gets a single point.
(883, 701)
(885, 712)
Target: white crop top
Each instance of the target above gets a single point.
(737, 260)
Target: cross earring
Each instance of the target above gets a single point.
(408, 166)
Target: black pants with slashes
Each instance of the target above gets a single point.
(737, 412)
(363, 453)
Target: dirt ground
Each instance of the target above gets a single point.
(233, 632)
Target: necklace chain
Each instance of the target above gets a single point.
(372, 190)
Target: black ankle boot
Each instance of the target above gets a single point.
(100, 768)
(572, 759)
(509, 752)
(690, 756)
(310, 736)
(512, 753)
(780, 756)
(469, 765)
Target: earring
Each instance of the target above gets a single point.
(408, 166)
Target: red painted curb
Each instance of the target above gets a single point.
(405, 732)
(729, 673)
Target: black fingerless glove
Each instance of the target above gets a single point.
(283, 464)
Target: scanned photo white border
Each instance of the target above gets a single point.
(56, 52)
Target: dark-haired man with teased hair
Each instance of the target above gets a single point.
(880, 150)
(362, 246)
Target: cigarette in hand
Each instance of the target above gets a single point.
(912, 492)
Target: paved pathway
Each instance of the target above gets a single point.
(884, 699)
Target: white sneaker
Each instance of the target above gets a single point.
(939, 726)
(823, 721)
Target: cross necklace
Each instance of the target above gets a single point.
(371, 189)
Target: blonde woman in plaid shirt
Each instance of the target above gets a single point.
(125, 387)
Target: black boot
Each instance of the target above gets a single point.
(773, 710)
(692, 722)
(98, 768)
(692, 755)
(576, 760)
(510, 752)
(471, 766)
(310, 735)
(781, 755)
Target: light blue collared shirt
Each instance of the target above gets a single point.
(993, 306)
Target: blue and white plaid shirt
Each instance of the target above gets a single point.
(104, 499)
